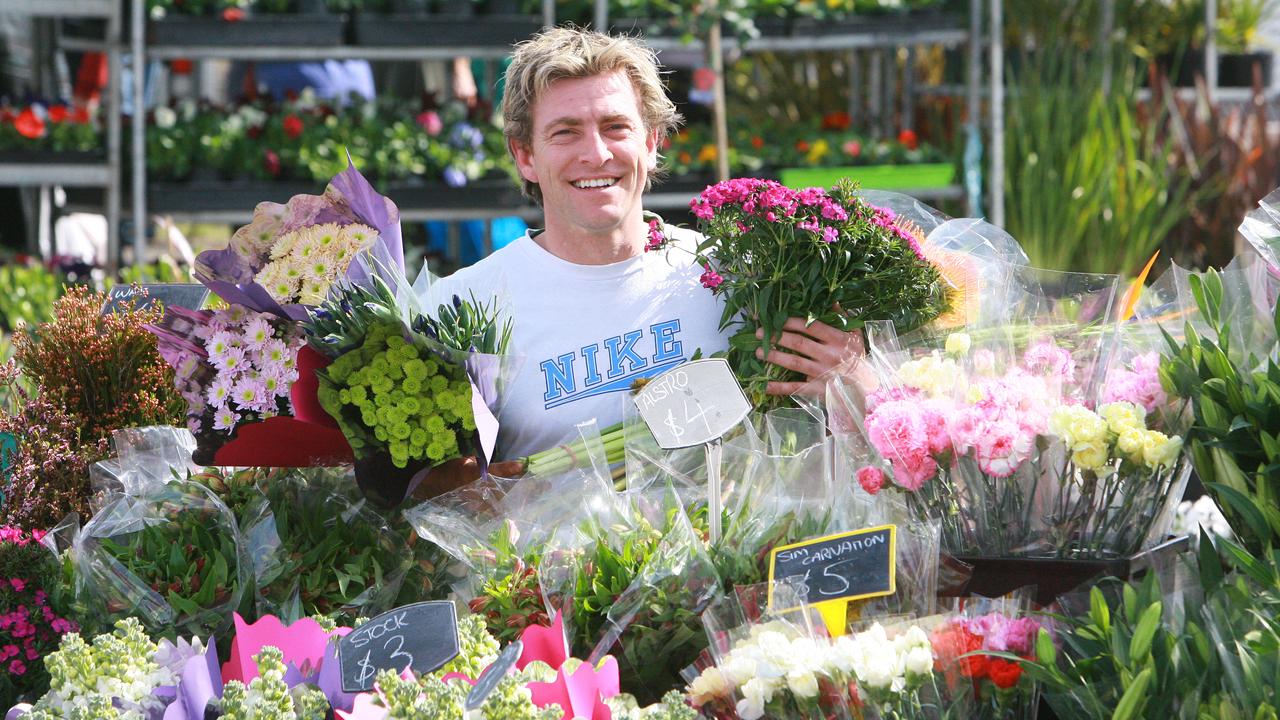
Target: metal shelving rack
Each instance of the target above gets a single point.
(105, 174)
(872, 39)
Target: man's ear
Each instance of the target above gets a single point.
(524, 159)
(651, 144)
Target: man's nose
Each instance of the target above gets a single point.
(596, 148)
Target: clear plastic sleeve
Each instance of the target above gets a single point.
(173, 557)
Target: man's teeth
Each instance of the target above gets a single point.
(597, 183)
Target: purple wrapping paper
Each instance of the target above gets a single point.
(199, 683)
(348, 199)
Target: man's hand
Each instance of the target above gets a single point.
(462, 471)
(816, 351)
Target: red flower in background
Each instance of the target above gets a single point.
(853, 148)
(757, 142)
(233, 14)
(802, 146)
(29, 125)
(271, 162)
(58, 113)
(181, 66)
(909, 139)
(837, 121)
(1003, 673)
(704, 78)
(6, 115)
(430, 122)
(292, 126)
(80, 115)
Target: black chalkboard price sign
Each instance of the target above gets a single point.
(422, 636)
(127, 297)
(842, 567)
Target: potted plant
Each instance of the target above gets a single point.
(445, 22)
(1238, 23)
(247, 22)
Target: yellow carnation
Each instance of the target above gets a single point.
(931, 374)
(1159, 449)
(1091, 455)
(1121, 416)
(958, 343)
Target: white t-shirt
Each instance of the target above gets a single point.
(586, 332)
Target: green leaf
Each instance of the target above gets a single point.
(1098, 610)
(1242, 504)
(1143, 634)
(1045, 651)
(1209, 564)
(1133, 697)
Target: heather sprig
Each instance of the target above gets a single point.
(103, 369)
(50, 473)
(773, 253)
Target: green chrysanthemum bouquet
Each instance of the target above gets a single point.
(403, 390)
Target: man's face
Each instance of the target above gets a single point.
(590, 154)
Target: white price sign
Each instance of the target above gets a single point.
(692, 404)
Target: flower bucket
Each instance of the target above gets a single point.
(919, 176)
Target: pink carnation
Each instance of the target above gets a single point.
(1046, 358)
(871, 479)
(1002, 448)
(1140, 386)
(17, 667)
(912, 470)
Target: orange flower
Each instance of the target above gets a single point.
(684, 157)
(707, 153)
(757, 142)
(29, 125)
(836, 121)
(802, 146)
(909, 139)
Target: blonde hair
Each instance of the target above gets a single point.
(569, 52)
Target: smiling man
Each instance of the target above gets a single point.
(584, 115)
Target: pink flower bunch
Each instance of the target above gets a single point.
(899, 431)
(1140, 384)
(1001, 633)
(1000, 429)
(1046, 358)
(241, 366)
(772, 202)
(657, 238)
(887, 219)
(18, 536)
(29, 626)
(710, 279)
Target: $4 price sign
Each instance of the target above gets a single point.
(422, 637)
(692, 404)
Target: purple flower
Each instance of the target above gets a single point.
(453, 177)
